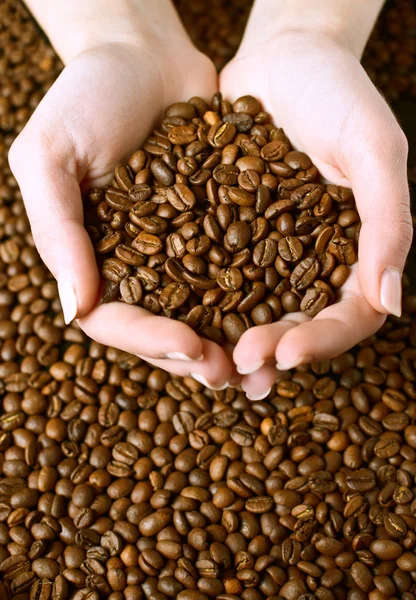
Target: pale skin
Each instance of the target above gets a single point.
(301, 59)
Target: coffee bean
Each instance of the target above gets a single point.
(305, 273)
(230, 280)
(313, 302)
(290, 249)
(274, 150)
(386, 549)
(174, 295)
(233, 328)
(148, 244)
(131, 290)
(362, 576)
(237, 237)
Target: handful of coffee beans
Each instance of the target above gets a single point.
(218, 222)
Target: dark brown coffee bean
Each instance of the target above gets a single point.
(265, 253)
(233, 328)
(230, 280)
(147, 244)
(275, 150)
(237, 237)
(290, 249)
(109, 242)
(221, 134)
(313, 302)
(174, 295)
(248, 105)
(262, 314)
(129, 255)
(305, 273)
(362, 576)
(241, 197)
(131, 290)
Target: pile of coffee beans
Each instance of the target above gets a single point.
(217, 27)
(216, 221)
(118, 481)
(121, 482)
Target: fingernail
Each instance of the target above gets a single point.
(287, 365)
(201, 379)
(68, 300)
(259, 396)
(251, 369)
(181, 356)
(391, 291)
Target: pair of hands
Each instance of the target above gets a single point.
(100, 109)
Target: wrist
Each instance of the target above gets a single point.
(76, 26)
(348, 22)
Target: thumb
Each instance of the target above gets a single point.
(379, 182)
(54, 205)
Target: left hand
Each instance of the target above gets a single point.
(316, 90)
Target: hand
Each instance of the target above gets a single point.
(99, 110)
(316, 90)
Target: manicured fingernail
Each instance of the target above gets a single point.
(247, 370)
(255, 397)
(391, 290)
(68, 300)
(201, 379)
(287, 365)
(181, 356)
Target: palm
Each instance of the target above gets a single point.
(114, 94)
(134, 98)
(103, 106)
(310, 97)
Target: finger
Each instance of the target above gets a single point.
(333, 331)
(214, 371)
(377, 170)
(258, 385)
(258, 344)
(235, 379)
(135, 330)
(53, 202)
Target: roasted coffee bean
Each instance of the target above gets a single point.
(131, 290)
(290, 249)
(233, 327)
(313, 302)
(148, 244)
(174, 295)
(305, 273)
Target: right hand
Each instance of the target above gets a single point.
(99, 110)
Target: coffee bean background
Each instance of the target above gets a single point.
(119, 481)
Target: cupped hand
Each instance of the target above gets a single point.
(317, 91)
(99, 110)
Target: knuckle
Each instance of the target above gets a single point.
(27, 145)
(406, 236)
(400, 141)
(386, 139)
(403, 218)
(45, 240)
(17, 153)
(401, 226)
